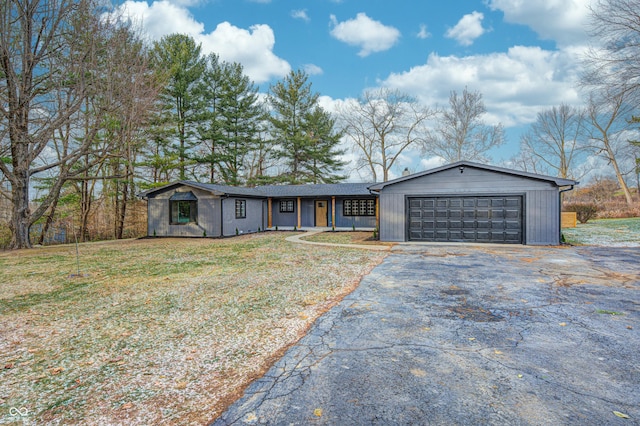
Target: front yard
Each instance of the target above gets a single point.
(605, 232)
(156, 331)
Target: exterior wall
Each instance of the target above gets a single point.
(541, 199)
(349, 221)
(308, 214)
(254, 216)
(158, 223)
(284, 219)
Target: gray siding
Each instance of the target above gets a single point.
(349, 221)
(308, 213)
(254, 216)
(158, 222)
(284, 219)
(540, 198)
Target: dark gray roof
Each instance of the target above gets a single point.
(315, 190)
(558, 181)
(275, 191)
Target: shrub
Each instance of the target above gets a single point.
(584, 211)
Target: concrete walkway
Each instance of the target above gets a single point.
(298, 238)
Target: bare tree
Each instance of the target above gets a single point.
(50, 65)
(382, 124)
(614, 61)
(461, 134)
(609, 120)
(526, 161)
(556, 139)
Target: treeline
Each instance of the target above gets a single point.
(91, 114)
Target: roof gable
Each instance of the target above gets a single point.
(462, 164)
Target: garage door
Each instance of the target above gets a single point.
(467, 219)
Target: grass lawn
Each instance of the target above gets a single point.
(606, 232)
(345, 237)
(156, 331)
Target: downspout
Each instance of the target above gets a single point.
(560, 210)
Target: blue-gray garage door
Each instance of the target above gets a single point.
(483, 219)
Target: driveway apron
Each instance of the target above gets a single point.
(467, 335)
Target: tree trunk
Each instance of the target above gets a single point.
(623, 184)
(20, 213)
(48, 221)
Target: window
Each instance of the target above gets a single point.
(241, 209)
(286, 206)
(359, 207)
(183, 208)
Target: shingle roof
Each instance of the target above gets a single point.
(315, 190)
(276, 191)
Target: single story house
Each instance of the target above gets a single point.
(192, 209)
(462, 202)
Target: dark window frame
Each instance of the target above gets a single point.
(183, 212)
(358, 207)
(287, 206)
(241, 209)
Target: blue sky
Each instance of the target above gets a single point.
(524, 56)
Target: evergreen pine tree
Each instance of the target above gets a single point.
(301, 132)
(176, 58)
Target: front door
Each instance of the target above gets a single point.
(321, 212)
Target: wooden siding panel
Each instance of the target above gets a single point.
(283, 219)
(392, 217)
(543, 218)
(252, 221)
(343, 221)
(159, 216)
(307, 212)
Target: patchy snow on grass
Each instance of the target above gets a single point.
(605, 232)
(157, 331)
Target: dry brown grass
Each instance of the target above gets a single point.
(346, 237)
(157, 331)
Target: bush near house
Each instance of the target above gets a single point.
(584, 211)
(606, 195)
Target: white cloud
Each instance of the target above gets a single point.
(563, 21)
(515, 85)
(253, 48)
(312, 69)
(300, 14)
(371, 36)
(431, 163)
(161, 18)
(423, 33)
(467, 29)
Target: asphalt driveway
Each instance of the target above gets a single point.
(468, 335)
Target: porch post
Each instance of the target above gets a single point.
(378, 213)
(333, 211)
(299, 213)
(269, 213)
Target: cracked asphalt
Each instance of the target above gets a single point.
(467, 335)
